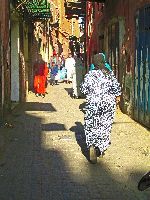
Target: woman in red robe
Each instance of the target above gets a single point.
(40, 74)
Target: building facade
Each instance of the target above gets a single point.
(4, 58)
(121, 30)
(28, 28)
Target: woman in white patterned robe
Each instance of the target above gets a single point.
(101, 89)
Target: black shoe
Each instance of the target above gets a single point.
(92, 154)
(98, 153)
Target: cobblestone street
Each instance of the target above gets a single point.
(45, 156)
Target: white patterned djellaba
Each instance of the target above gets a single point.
(101, 89)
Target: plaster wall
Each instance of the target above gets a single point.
(15, 61)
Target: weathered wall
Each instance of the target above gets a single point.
(5, 57)
(94, 29)
(15, 41)
(125, 11)
(67, 27)
(26, 58)
(117, 23)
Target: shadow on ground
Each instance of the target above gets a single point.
(78, 129)
(53, 127)
(69, 91)
(34, 171)
(36, 106)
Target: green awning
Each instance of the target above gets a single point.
(36, 9)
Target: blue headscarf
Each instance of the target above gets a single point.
(106, 64)
(92, 67)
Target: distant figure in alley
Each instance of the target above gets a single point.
(78, 73)
(69, 66)
(40, 76)
(53, 74)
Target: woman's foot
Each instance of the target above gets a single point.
(74, 96)
(42, 95)
(92, 154)
(99, 153)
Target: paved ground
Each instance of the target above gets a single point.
(45, 157)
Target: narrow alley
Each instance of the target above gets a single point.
(45, 156)
(55, 55)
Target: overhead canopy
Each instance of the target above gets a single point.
(36, 9)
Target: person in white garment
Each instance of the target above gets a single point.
(69, 66)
